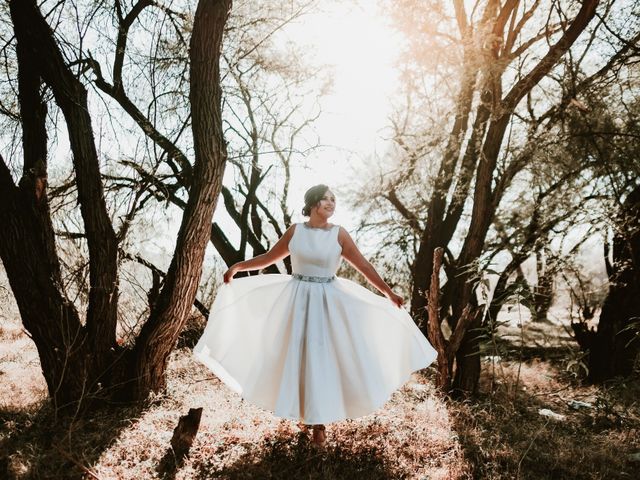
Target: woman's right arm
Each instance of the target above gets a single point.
(277, 252)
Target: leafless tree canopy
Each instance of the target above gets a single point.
(81, 359)
(492, 160)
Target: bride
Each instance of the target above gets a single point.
(311, 346)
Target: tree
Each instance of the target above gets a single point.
(610, 133)
(485, 62)
(82, 363)
(615, 345)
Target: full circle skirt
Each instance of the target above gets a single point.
(308, 351)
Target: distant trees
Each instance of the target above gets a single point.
(488, 87)
(610, 133)
(614, 347)
(81, 359)
(269, 119)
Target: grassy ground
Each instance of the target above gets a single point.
(498, 435)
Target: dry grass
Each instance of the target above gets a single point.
(499, 435)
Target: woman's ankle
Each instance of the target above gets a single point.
(319, 436)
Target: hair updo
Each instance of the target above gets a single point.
(312, 197)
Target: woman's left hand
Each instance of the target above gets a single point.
(397, 299)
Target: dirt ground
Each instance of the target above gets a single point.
(533, 419)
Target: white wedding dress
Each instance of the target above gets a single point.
(310, 346)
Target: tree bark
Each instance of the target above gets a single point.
(446, 348)
(443, 379)
(51, 320)
(37, 38)
(159, 335)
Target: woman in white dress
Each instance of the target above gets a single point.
(310, 346)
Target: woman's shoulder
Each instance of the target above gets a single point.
(288, 233)
(343, 235)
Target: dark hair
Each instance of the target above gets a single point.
(312, 197)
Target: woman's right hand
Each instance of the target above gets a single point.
(228, 275)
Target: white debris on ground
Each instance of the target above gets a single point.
(578, 404)
(545, 412)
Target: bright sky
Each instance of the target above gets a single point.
(360, 48)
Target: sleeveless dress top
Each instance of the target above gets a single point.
(310, 346)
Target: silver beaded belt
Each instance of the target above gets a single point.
(311, 278)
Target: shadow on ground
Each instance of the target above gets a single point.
(35, 444)
(504, 436)
(286, 457)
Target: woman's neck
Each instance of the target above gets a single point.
(316, 221)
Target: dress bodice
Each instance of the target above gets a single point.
(315, 251)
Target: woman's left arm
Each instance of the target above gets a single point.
(352, 254)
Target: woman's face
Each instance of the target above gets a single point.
(327, 204)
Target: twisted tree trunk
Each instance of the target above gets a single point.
(82, 363)
(446, 348)
(75, 356)
(160, 333)
(493, 42)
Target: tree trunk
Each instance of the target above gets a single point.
(51, 320)
(467, 374)
(543, 290)
(615, 346)
(71, 371)
(443, 379)
(159, 335)
(82, 364)
(446, 348)
(432, 237)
